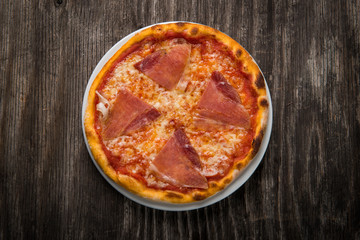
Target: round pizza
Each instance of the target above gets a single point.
(176, 113)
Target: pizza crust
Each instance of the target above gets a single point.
(249, 67)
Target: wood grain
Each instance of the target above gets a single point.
(308, 185)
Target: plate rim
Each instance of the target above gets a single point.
(243, 176)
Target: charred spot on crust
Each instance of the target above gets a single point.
(239, 166)
(238, 53)
(227, 181)
(212, 185)
(260, 83)
(194, 31)
(173, 195)
(264, 103)
(257, 142)
(156, 28)
(180, 24)
(199, 196)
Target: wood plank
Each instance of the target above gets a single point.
(307, 186)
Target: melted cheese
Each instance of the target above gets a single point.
(177, 107)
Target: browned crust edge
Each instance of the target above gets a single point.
(133, 185)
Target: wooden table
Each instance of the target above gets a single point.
(308, 184)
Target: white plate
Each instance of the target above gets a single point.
(232, 187)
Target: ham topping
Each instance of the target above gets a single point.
(178, 163)
(221, 103)
(127, 114)
(166, 67)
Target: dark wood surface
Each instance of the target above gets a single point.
(308, 184)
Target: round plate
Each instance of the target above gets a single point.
(244, 175)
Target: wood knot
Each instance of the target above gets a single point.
(58, 2)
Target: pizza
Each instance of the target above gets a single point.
(176, 113)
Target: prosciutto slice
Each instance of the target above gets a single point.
(178, 163)
(166, 67)
(127, 114)
(221, 104)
